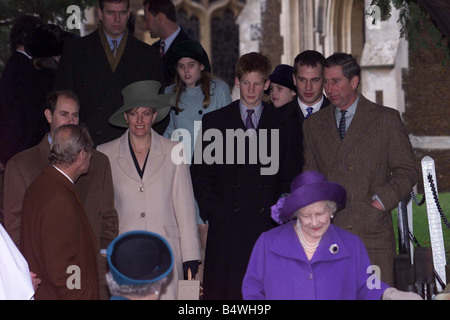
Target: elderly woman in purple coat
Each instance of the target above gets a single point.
(310, 258)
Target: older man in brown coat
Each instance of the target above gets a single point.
(57, 238)
(364, 147)
(95, 188)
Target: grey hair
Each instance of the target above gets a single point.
(133, 290)
(330, 204)
(67, 142)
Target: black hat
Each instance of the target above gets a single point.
(48, 41)
(191, 49)
(139, 257)
(282, 75)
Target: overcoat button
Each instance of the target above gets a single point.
(142, 214)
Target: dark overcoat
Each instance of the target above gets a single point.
(84, 69)
(374, 158)
(235, 198)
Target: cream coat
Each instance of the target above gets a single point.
(162, 201)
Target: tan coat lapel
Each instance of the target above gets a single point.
(154, 162)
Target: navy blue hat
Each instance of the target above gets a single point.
(282, 74)
(139, 257)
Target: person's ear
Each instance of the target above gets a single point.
(48, 115)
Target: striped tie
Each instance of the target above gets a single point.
(162, 46)
(248, 121)
(341, 128)
(114, 50)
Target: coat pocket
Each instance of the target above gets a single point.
(172, 231)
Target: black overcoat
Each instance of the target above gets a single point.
(85, 70)
(235, 198)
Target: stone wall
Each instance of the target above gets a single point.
(427, 107)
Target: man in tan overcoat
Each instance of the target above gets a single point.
(373, 159)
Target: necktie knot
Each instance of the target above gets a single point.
(341, 129)
(309, 111)
(162, 47)
(248, 121)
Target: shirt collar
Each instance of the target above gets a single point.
(63, 173)
(316, 106)
(243, 109)
(350, 110)
(168, 41)
(111, 39)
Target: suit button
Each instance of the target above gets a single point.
(236, 209)
(261, 210)
(350, 167)
(309, 276)
(200, 112)
(141, 189)
(142, 214)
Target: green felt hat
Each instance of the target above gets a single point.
(143, 94)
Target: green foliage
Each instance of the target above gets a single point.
(52, 11)
(417, 26)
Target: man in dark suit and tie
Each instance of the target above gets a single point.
(161, 19)
(233, 192)
(308, 78)
(98, 66)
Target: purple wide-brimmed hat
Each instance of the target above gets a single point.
(307, 188)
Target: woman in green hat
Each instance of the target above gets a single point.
(152, 191)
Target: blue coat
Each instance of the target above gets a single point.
(279, 270)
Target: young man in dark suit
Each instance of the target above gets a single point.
(234, 184)
(98, 66)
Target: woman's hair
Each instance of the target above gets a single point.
(205, 84)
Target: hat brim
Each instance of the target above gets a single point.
(174, 57)
(311, 193)
(283, 81)
(162, 105)
(160, 273)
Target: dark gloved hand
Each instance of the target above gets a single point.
(193, 265)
